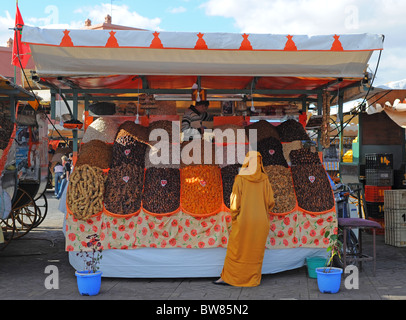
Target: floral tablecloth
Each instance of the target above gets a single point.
(293, 230)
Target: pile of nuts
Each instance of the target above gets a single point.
(135, 130)
(228, 174)
(304, 156)
(282, 186)
(128, 150)
(272, 152)
(291, 130)
(264, 130)
(171, 128)
(95, 153)
(123, 189)
(161, 190)
(197, 152)
(201, 189)
(312, 187)
(85, 191)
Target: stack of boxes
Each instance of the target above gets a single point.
(378, 179)
(395, 218)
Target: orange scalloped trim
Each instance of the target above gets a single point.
(166, 214)
(69, 212)
(116, 215)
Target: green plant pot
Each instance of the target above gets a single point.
(313, 263)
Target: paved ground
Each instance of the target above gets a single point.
(24, 261)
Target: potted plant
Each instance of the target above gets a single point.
(329, 277)
(89, 279)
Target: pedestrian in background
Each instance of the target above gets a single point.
(65, 176)
(58, 172)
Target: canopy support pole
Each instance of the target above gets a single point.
(341, 117)
(53, 104)
(75, 131)
(319, 113)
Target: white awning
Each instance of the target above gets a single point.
(133, 52)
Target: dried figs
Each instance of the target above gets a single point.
(282, 186)
(161, 190)
(312, 187)
(228, 174)
(291, 130)
(123, 189)
(272, 152)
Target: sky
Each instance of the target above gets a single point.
(297, 17)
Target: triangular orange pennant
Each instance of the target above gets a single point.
(156, 42)
(337, 44)
(290, 44)
(200, 43)
(112, 41)
(245, 44)
(66, 40)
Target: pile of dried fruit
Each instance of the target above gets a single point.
(161, 190)
(162, 155)
(172, 129)
(304, 156)
(135, 130)
(95, 153)
(85, 191)
(228, 174)
(104, 129)
(123, 189)
(291, 130)
(312, 187)
(272, 152)
(288, 147)
(282, 186)
(197, 152)
(201, 189)
(264, 130)
(127, 150)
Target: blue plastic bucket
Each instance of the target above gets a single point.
(329, 279)
(313, 263)
(88, 283)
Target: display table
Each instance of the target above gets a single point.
(180, 245)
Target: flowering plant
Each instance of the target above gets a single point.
(92, 257)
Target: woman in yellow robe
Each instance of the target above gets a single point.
(250, 203)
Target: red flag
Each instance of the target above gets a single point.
(20, 50)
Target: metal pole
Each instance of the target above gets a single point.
(341, 117)
(75, 131)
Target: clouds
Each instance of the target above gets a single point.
(121, 14)
(325, 17)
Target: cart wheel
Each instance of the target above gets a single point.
(25, 213)
(42, 206)
(8, 230)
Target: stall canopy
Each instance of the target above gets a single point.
(390, 98)
(8, 90)
(161, 62)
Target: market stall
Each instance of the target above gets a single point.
(187, 236)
